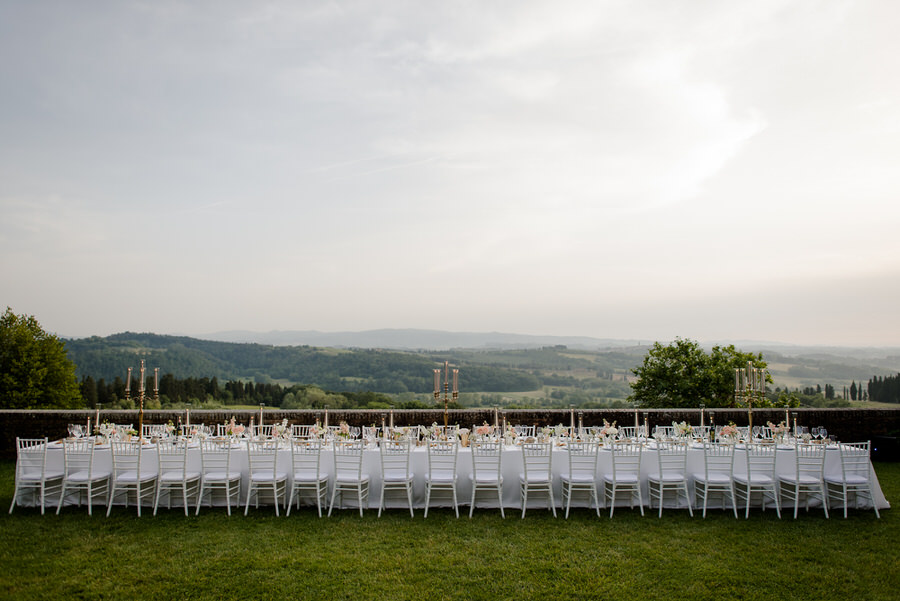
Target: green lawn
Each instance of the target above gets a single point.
(212, 556)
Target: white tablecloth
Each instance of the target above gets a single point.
(511, 468)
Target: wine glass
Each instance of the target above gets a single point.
(815, 432)
(756, 431)
(71, 430)
(823, 432)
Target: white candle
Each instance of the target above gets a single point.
(437, 381)
(155, 379)
(326, 418)
(128, 382)
(97, 417)
(636, 423)
(455, 380)
(571, 420)
(701, 417)
(496, 419)
(187, 417)
(392, 419)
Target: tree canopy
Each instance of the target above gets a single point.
(682, 374)
(35, 372)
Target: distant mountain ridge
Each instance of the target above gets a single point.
(415, 339)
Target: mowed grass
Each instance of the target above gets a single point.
(213, 556)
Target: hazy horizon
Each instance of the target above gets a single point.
(626, 170)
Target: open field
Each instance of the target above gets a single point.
(212, 556)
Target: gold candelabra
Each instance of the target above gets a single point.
(749, 387)
(142, 394)
(445, 394)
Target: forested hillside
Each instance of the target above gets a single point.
(333, 369)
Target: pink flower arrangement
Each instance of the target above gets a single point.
(483, 430)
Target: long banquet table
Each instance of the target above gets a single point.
(512, 465)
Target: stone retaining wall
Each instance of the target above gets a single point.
(880, 425)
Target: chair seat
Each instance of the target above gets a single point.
(86, 477)
(178, 476)
(135, 477)
(350, 479)
(441, 477)
(221, 476)
(667, 477)
(268, 476)
(37, 477)
(396, 476)
(577, 478)
(802, 479)
(623, 478)
(309, 477)
(851, 479)
(713, 478)
(486, 478)
(759, 479)
(534, 479)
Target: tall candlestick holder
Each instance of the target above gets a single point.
(445, 394)
(749, 388)
(142, 389)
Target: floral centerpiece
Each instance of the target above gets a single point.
(282, 430)
(318, 430)
(107, 430)
(234, 429)
(682, 429)
(170, 428)
(463, 436)
(560, 430)
(779, 432)
(728, 433)
(483, 430)
(343, 430)
(609, 431)
(401, 432)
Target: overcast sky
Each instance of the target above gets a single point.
(625, 169)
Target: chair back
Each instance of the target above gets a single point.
(671, 456)
(701, 432)
(31, 456)
(855, 461)
(524, 430)
(301, 430)
(760, 459)
(626, 459)
(171, 456)
(582, 458)
(442, 456)
(537, 459)
(306, 456)
(395, 456)
(78, 456)
(215, 456)
(264, 430)
(126, 457)
(150, 430)
(487, 458)
(810, 460)
(262, 456)
(627, 431)
(718, 459)
(348, 457)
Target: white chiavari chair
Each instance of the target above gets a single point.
(306, 458)
(758, 476)
(717, 474)
(625, 475)
(217, 473)
(264, 475)
(671, 474)
(174, 475)
(487, 459)
(537, 474)
(81, 474)
(32, 473)
(807, 479)
(441, 476)
(855, 478)
(130, 475)
(348, 473)
(582, 473)
(395, 472)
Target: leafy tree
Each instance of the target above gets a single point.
(35, 372)
(682, 374)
